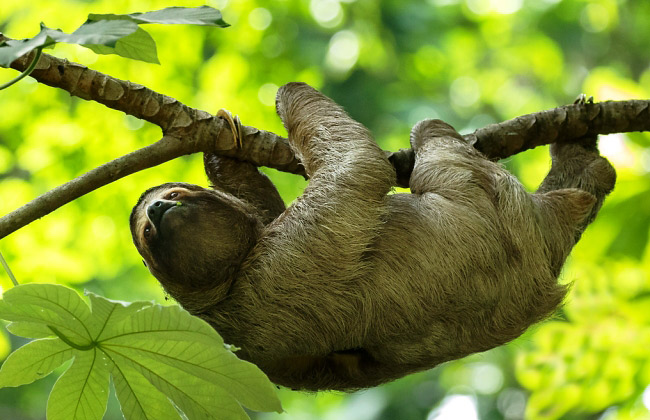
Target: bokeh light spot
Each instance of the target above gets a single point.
(260, 18)
(266, 93)
(595, 18)
(464, 91)
(343, 51)
(455, 407)
(486, 378)
(328, 13)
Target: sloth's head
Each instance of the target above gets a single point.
(191, 238)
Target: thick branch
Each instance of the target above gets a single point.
(187, 130)
(174, 118)
(561, 124)
(165, 149)
(565, 123)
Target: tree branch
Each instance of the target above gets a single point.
(565, 123)
(187, 130)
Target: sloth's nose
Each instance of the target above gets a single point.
(156, 210)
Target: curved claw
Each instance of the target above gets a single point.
(235, 126)
(583, 99)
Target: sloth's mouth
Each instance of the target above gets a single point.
(165, 212)
(158, 209)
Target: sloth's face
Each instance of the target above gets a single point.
(187, 234)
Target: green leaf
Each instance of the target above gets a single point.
(81, 393)
(106, 32)
(106, 311)
(151, 349)
(243, 380)
(138, 46)
(63, 301)
(216, 365)
(114, 34)
(30, 330)
(197, 398)
(158, 323)
(36, 314)
(204, 15)
(49, 304)
(33, 361)
(196, 349)
(139, 399)
(171, 336)
(91, 33)
(13, 49)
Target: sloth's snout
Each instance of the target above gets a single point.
(156, 210)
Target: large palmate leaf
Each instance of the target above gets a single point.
(34, 361)
(156, 355)
(81, 393)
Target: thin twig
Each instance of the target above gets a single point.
(8, 270)
(27, 72)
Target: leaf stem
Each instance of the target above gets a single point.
(27, 71)
(8, 270)
(70, 342)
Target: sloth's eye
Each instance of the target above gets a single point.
(147, 231)
(173, 194)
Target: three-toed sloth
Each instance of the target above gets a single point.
(351, 286)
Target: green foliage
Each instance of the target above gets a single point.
(204, 15)
(114, 34)
(138, 45)
(155, 355)
(598, 357)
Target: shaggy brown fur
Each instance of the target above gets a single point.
(351, 287)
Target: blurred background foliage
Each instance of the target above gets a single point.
(390, 63)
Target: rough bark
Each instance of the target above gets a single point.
(187, 130)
